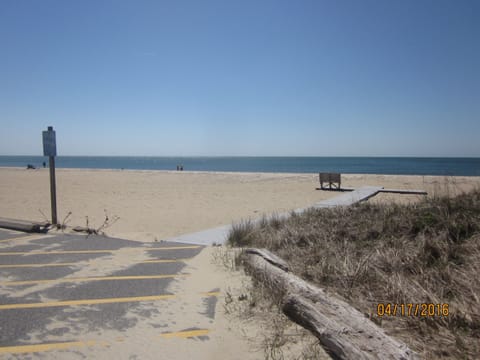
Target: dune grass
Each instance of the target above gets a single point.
(369, 254)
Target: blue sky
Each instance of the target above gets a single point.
(300, 78)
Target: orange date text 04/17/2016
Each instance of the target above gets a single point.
(411, 309)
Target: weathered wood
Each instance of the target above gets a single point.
(327, 331)
(25, 226)
(268, 256)
(392, 191)
(86, 230)
(342, 189)
(332, 179)
(404, 191)
(342, 330)
(358, 195)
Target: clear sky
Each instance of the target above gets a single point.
(313, 78)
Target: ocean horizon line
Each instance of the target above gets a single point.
(453, 166)
(259, 156)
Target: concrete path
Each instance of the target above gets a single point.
(213, 236)
(218, 235)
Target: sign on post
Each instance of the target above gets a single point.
(50, 150)
(49, 142)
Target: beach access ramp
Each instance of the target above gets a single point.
(218, 235)
(361, 194)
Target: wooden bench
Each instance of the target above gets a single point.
(332, 179)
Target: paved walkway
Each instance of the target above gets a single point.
(73, 296)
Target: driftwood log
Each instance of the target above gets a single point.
(343, 331)
(25, 226)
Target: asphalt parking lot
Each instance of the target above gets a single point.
(60, 294)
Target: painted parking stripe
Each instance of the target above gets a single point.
(6, 266)
(185, 334)
(35, 348)
(174, 247)
(46, 347)
(106, 251)
(85, 302)
(93, 301)
(93, 278)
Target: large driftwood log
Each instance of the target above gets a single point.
(343, 331)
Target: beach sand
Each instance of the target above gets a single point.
(157, 205)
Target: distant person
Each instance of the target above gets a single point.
(181, 167)
(44, 164)
(178, 167)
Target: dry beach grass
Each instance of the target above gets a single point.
(370, 254)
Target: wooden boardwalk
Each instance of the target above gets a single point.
(403, 191)
(350, 198)
(382, 190)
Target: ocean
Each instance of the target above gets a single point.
(346, 165)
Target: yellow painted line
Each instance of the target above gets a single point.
(211, 293)
(85, 302)
(60, 252)
(93, 278)
(94, 301)
(80, 262)
(36, 348)
(28, 237)
(185, 334)
(174, 247)
(45, 347)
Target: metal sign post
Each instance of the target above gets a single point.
(50, 150)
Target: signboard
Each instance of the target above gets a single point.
(49, 143)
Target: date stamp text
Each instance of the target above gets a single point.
(410, 309)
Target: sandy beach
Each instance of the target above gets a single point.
(156, 205)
